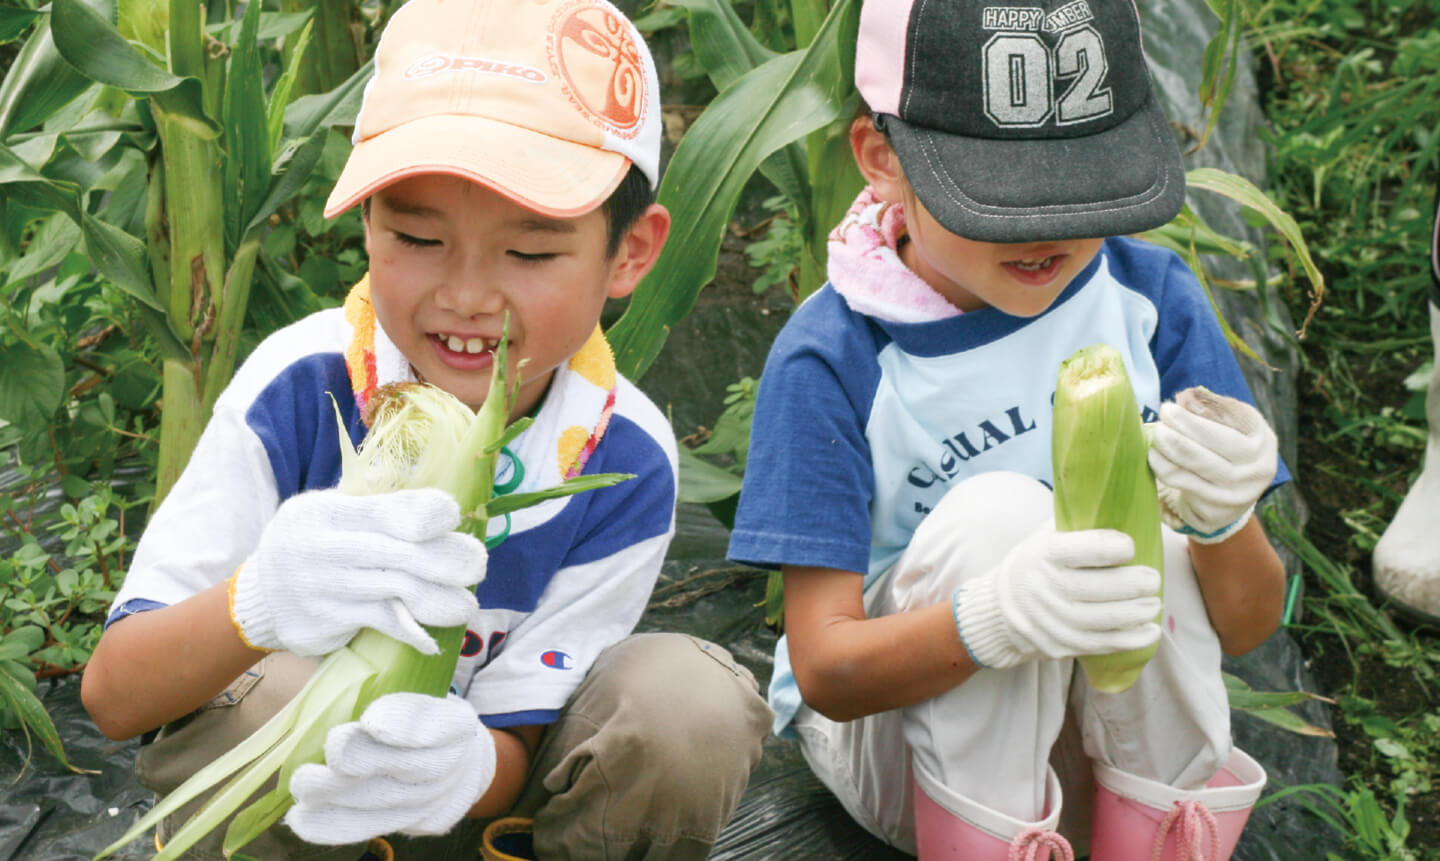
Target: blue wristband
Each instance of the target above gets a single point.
(1218, 535)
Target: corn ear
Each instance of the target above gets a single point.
(420, 436)
(1102, 478)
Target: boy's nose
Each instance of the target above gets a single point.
(470, 297)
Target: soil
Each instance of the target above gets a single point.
(1331, 488)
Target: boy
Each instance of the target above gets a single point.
(932, 611)
(506, 156)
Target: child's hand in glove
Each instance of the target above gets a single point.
(1059, 595)
(412, 764)
(1213, 456)
(329, 564)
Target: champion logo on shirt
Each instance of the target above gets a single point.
(557, 660)
(471, 646)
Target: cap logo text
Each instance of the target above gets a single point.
(434, 64)
(593, 50)
(1031, 19)
(1012, 18)
(1068, 15)
(1029, 82)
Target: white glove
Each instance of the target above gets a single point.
(329, 564)
(412, 764)
(1212, 456)
(1059, 595)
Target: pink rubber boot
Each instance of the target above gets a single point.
(1139, 819)
(950, 827)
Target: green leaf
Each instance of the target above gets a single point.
(775, 599)
(38, 83)
(775, 104)
(704, 482)
(290, 177)
(19, 643)
(120, 257)
(32, 386)
(13, 21)
(284, 86)
(728, 51)
(725, 46)
(54, 238)
(90, 43)
(1189, 230)
(16, 696)
(515, 501)
(1244, 192)
(1270, 706)
(246, 165)
(339, 107)
(273, 25)
(44, 192)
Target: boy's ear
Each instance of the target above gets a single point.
(877, 160)
(638, 251)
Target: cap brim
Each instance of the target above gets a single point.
(1124, 180)
(549, 175)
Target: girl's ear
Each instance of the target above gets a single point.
(877, 160)
(638, 250)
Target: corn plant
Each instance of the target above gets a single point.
(783, 115)
(144, 136)
(156, 138)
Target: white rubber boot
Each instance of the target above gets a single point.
(1406, 561)
(949, 827)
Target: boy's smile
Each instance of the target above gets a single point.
(450, 258)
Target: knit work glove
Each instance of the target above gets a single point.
(1213, 456)
(329, 564)
(1059, 595)
(413, 764)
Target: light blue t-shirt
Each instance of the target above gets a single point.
(862, 425)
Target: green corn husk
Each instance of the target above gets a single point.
(420, 436)
(1103, 480)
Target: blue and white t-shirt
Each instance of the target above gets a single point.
(572, 578)
(862, 424)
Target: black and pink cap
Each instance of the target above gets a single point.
(1024, 122)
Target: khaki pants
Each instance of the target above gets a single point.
(648, 760)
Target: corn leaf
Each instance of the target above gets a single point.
(247, 139)
(38, 83)
(1102, 478)
(1244, 192)
(703, 481)
(18, 699)
(1271, 707)
(92, 45)
(728, 51)
(285, 85)
(773, 105)
(292, 168)
(579, 484)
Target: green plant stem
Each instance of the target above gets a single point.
(233, 300)
(182, 418)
